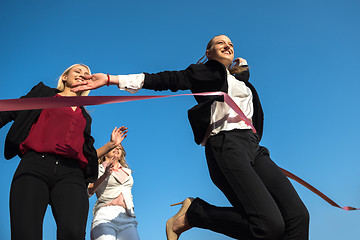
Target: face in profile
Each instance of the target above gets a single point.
(221, 49)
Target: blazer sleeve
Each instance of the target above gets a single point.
(197, 78)
(243, 76)
(8, 116)
(168, 80)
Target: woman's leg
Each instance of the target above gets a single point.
(129, 233)
(254, 214)
(103, 230)
(29, 197)
(293, 210)
(113, 222)
(69, 200)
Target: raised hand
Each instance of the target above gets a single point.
(118, 135)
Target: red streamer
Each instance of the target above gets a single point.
(316, 191)
(51, 102)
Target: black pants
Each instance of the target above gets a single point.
(264, 203)
(40, 180)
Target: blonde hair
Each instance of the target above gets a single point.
(61, 83)
(122, 159)
(233, 68)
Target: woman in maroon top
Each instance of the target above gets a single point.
(58, 160)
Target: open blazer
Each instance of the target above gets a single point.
(23, 121)
(208, 77)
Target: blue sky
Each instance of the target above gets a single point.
(304, 58)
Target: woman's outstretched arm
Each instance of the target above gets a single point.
(92, 187)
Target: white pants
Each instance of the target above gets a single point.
(112, 223)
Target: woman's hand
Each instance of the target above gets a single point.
(238, 65)
(109, 168)
(118, 135)
(239, 62)
(93, 81)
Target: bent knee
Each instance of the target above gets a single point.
(302, 217)
(270, 230)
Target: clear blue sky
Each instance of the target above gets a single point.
(304, 59)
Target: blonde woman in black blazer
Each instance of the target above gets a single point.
(50, 171)
(264, 203)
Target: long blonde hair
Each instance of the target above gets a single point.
(122, 159)
(233, 68)
(61, 83)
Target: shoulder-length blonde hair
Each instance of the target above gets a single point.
(122, 159)
(233, 68)
(61, 83)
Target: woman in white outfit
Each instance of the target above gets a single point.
(114, 216)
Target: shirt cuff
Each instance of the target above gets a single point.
(132, 82)
(244, 63)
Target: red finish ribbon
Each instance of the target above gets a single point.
(316, 191)
(51, 102)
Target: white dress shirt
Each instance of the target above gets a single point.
(223, 117)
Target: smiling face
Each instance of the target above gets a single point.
(75, 74)
(221, 49)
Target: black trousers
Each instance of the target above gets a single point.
(264, 203)
(42, 179)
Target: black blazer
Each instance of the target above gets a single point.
(23, 121)
(208, 77)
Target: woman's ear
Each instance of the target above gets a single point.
(64, 78)
(208, 54)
